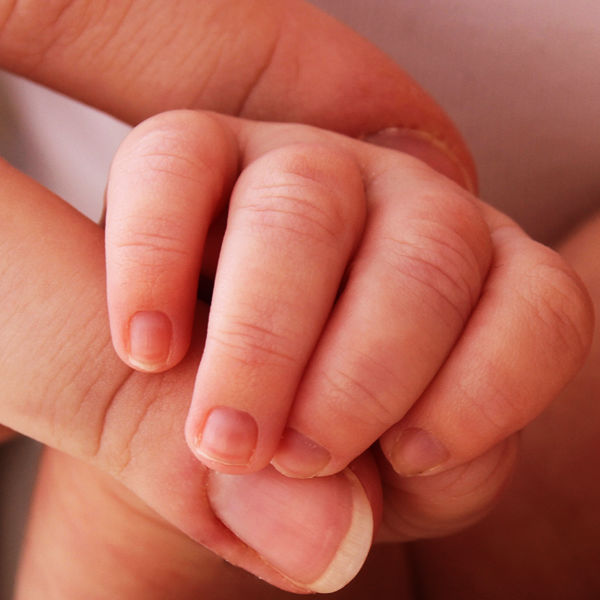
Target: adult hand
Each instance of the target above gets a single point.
(275, 60)
(64, 386)
(134, 554)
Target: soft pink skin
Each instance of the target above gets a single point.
(84, 401)
(62, 382)
(449, 316)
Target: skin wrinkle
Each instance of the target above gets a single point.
(166, 141)
(253, 85)
(119, 386)
(470, 260)
(262, 354)
(222, 60)
(557, 319)
(379, 410)
(420, 270)
(166, 163)
(90, 392)
(153, 245)
(291, 215)
(309, 174)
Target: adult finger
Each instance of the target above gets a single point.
(88, 535)
(168, 179)
(295, 216)
(526, 339)
(64, 386)
(269, 60)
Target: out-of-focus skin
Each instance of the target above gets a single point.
(6, 434)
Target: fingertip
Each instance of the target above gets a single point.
(300, 457)
(284, 521)
(426, 147)
(227, 439)
(415, 451)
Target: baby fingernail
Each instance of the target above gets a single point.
(284, 520)
(229, 436)
(299, 456)
(150, 334)
(425, 147)
(416, 452)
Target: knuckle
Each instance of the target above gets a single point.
(172, 147)
(304, 191)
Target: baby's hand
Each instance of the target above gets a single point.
(359, 295)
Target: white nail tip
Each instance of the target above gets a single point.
(354, 548)
(146, 367)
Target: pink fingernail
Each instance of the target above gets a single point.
(299, 456)
(316, 532)
(416, 452)
(229, 436)
(425, 147)
(150, 334)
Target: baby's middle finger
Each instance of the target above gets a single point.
(410, 290)
(295, 216)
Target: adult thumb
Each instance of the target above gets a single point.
(276, 60)
(63, 385)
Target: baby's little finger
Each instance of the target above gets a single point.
(527, 337)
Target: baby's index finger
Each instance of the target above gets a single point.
(295, 217)
(169, 178)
